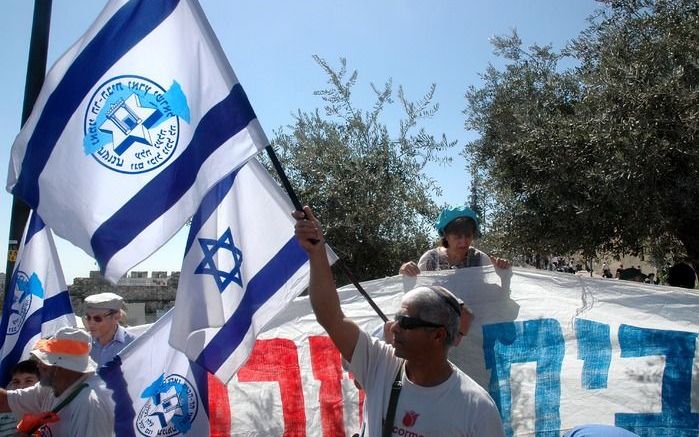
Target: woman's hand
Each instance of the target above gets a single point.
(500, 263)
(409, 269)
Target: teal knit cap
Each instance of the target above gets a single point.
(450, 214)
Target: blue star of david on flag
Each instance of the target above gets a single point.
(208, 265)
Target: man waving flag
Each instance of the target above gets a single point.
(242, 266)
(134, 124)
(37, 302)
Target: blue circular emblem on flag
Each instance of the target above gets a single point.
(132, 124)
(21, 301)
(170, 408)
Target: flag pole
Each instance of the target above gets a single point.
(295, 200)
(36, 70)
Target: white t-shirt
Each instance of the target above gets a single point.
(90, 413)
(456, 407)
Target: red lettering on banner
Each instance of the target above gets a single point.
(325, 362)
(277, 360)
(219, 408)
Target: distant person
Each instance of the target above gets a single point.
(619, 269)
(24, 375)
(458, 228)
(682, 275)
(606, 271)
(103, 312)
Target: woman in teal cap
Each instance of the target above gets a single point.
(457, 227)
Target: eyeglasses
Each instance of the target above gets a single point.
(98, 317)
(407, 322)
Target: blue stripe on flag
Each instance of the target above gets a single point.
(53, 307)
(35, 225)
(201, 380)
(56, 306)
(124, 413)
(140, 18)
(223, 121)
(208, 205)
(32, 327)
(259, 290)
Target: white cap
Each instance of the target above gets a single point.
(104, 301)
(69, 349)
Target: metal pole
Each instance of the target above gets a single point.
(295, 200)
(36, 70)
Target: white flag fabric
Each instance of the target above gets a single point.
(156, 389)
(242, 266)
(37, 302)
(135, 123)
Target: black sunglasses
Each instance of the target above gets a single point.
(99, 317)
(407, 322)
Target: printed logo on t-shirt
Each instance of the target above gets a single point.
(410, 418)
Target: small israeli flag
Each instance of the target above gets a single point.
(37, 302)
(242, 266)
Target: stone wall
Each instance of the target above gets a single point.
(157, 290)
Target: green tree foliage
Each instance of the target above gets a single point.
(367, 186)
(595, 147)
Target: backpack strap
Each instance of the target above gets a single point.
(69, 398)
(393, 402)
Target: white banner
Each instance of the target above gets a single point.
(554, 350)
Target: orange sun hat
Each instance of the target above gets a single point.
(69, 349)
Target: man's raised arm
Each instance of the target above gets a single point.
(322, 290)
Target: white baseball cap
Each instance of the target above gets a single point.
(104, 301)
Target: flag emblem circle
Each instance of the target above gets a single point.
(132, 124)
(171, 410)
(21, 302)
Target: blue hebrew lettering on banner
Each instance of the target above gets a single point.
(595, 350)
(540, 341)
(678, 348)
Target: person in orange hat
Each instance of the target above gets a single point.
(70, 400)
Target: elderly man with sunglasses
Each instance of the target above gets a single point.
(411, 387)
(102, 315)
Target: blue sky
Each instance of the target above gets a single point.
(270, 45)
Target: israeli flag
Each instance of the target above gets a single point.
(156, 390)
(242, 266)
(37, 302)
(134, 125)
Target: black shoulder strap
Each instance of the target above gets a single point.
(393, 403)
(69, 398)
